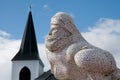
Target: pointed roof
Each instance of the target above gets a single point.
(28, 49)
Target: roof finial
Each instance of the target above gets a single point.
(30, 6)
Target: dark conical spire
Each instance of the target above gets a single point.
(28, 49)
(29, 44)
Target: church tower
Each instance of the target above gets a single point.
(26, 64)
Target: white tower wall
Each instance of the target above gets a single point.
(34, 66)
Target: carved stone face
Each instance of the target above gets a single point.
(56, 35)
(58, 32)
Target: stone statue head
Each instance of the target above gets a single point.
(64, 20)
(62, 28)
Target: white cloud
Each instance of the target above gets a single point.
(72, 15)
(105, 34)
(46, 7)
(43, 56)
(4, 34)
(8, 49)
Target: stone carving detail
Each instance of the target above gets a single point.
(72, 57)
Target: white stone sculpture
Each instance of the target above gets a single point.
(72, 57)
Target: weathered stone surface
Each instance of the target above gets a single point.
(72, 57)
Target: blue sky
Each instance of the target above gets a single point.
(86, 13)
(97, 20)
